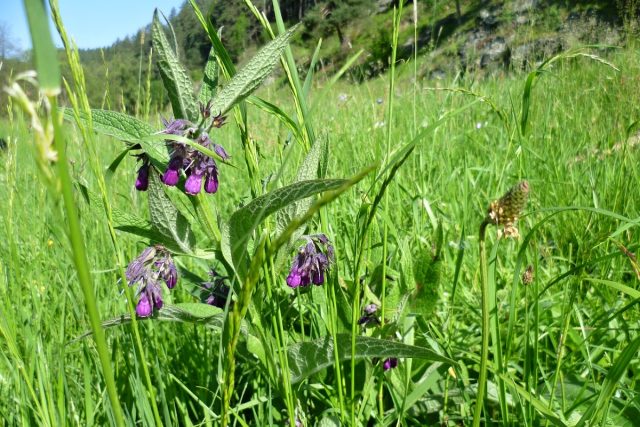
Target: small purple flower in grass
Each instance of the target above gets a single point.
(216, 292)
(144, 308)
(211, 183)
(167, 270)
(175, 126)
(369, 316)
(136, 270)
(142, 180)
(390, 363)
(311, 262)
(147, 270)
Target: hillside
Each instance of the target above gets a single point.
(452, 37)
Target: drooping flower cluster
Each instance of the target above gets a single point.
(215, 292)
(147, 271)
(198, 167)
(311, 261)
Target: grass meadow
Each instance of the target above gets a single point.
(562, 348)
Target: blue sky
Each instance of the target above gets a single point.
(91, 23)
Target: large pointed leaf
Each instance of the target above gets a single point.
(125, 128)
(210, 79)
(118, 125)
(128, 222)
(307, 358)
(203, 314)
(246, 219)
(251, 76)
(308, 170)
(166, 217)
(175, 78)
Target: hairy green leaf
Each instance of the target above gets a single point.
(246, 219)
(203, 314)
(128, 222)
(251, 76)
(118, 125)
(125, 128)
(308, 170)
(175, 78)
(167, 218)
(307, 358)
(210, 79)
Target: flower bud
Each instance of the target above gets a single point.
(193, 185)
(172, 174)
(143, 308)
(211, 183)
(142, 182)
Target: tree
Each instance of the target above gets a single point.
(8, 45)
(333, 16)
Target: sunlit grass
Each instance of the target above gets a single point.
(561, 336)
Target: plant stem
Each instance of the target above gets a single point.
(484, 352)
(81, 264)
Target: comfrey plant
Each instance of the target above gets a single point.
(180, 160)
(196, 165)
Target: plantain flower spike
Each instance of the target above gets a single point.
(527, 276)
(505, 211)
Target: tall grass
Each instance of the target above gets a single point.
(564, 348)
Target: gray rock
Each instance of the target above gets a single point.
(529, 53)
(437, 74)
(488, 19)
(384, 5)
(519, 6)
(495, 53)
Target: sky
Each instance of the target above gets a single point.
(91, 23)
